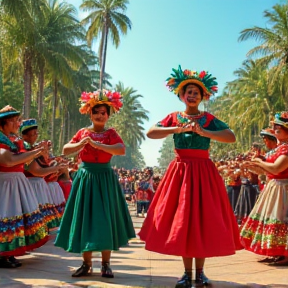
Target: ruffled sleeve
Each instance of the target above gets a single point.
(4, 146)
(77, 137)
(114, 137)
(217, 125)
(283, 150)
(168, 121)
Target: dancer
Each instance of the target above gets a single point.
(265, 232)
(96, 216)
(36, 173)
(190, 215)
(21, 223)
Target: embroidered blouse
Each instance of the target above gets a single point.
(93, 155)
(191, 140)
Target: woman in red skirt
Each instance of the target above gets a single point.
(190, 215)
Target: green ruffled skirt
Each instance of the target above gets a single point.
(96, 216)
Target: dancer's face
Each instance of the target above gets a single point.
(12, 125)
(280, 132)
(31, 136)
(99, 115)
(192, 96)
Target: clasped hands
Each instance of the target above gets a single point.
(88, 140)
(191, 127)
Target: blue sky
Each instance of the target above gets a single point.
(198, 35)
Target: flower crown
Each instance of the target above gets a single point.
(281, 118)
(180, 78)
(90, 99)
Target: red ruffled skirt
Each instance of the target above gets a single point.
(190, 215)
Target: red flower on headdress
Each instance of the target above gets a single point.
(186, 72)
(214, 88)
(202, 74)
(85, 97)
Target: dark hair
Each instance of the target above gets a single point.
(272, 138)
(100, 105)
(200, 88)
(29, 129)
(3, 121)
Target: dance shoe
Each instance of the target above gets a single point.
(184, 282)
(280, 261)
(267, 260)
(10, 262)
(106, 271)
(201, 280)
(84, 270)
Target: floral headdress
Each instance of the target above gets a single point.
(90, 99)
(281, 118)
(180, 78)
(27, 124)
(8, 111)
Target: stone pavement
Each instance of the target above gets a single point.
(133, 266)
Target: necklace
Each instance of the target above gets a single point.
(192, 115)
(97, 132)
(184, 118)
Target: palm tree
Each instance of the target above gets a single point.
(128, 122)
(20, 25)
(167, 153)
(107, 19)
(249, 102)
(130, 118)
(274, 43)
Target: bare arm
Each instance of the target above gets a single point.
(115, 149)
(156, 132)
(38, 171)
(70, 148)
(275, 168)
(225, 136)
(8, 159)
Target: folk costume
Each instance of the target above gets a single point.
(42, 192)
(96, 217)
(265, 232)
(249, 192)
(190, 215)
(21, 223)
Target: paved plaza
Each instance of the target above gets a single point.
(133, 266)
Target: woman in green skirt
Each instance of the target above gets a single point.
(96, 216)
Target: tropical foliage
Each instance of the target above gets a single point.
(259, 90)
(106, 20)
(46, 61)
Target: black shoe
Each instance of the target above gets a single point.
(5, 263)
(84, 270)
(184, 282)
(106, 271)
(201, 280)
(267, 260)
(13, 260)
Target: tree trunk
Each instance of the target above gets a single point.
(55, 91)
(68, 127)
(40, 92)
(27, 84)
(103, 59)
(1, 77)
